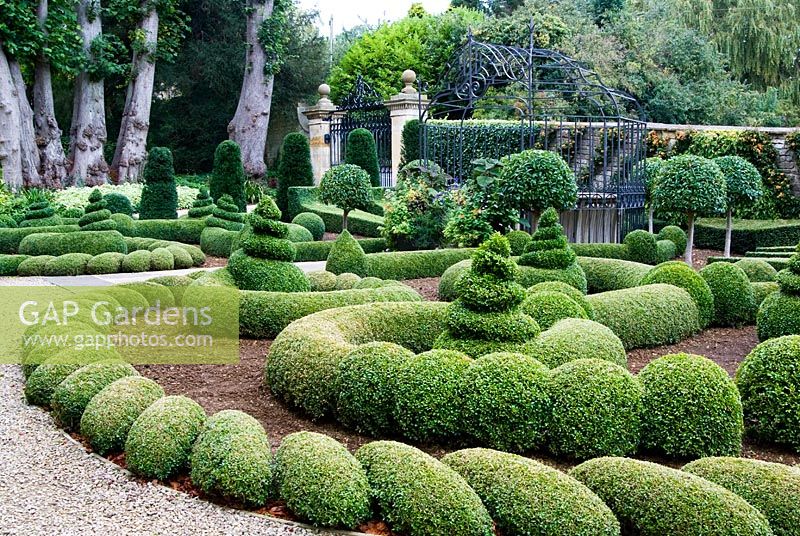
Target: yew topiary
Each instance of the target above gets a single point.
(362, 152)
(226, 215)
(294, 168)
(228, 176)
(347, 256)
(203, 205)
(96, 216)
(160, 194)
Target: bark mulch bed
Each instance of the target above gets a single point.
(215, 262)
(428, 288)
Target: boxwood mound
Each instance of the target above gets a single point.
(91, 242)
(603, 275)
(526, 497)
(681, 275)
(577, 338)
(734, 301)
(652, 500)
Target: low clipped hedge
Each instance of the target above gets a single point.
(419, 495)
(110, 414)
(427, 397)
(506, 402)
(773, 488)
(33, 266)
(691, 408)
(10, 263)
(160, 440)
(414, 264)
(526, 497)
(761, 291)
(105, 263)
(734, 301)
(91, 242)
(231, 458)
(747, 235)
(303, 363)
(70, 398)
(779, 263)
(769, 383)
(652, 500)
(306, 199)
(43, 378)
(186, 230)
(596, 410)
(321, 482)
(68, 264)
(575, 338)
(757, 270)
(603, 275)
(367, 379)
(569, 290)
(10, 238)
(651, 315)
(137, 261)
(321, 281)
(682, 275)
(217, 242)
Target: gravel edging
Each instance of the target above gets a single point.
(51, 485)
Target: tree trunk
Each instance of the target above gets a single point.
(650, 212)
(728, 233)
(533, 219)
(690, 240)
(48, 136)
(249, 125)
(88, 130)
(10, 157)
(131, 150)
(344, 220)
(28, 151)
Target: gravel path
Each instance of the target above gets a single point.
(50, 485)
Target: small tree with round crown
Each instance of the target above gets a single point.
(347, 187)
(96, 216)
(744, 188)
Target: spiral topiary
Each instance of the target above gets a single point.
(682, 275)
(486, 317)
(264, 261)
(549, 248)
(40, 214)
(203, 205)
(96, 216)
(779, 314)
(226, 215)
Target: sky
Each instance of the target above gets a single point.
(349, 13)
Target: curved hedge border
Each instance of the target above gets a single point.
(91, 242)
(603, 275)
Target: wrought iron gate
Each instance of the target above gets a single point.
(363, 108)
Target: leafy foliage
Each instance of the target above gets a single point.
(536, 180)
(295, 167)
(347, 187)
(159, 196)
(362, 152)
(228, 177)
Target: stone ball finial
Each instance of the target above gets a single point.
(324, 91)
(408, 78)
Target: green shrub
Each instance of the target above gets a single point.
(47, 376)
(519, 241)
(274, 276)
(182, 259)
(372, 282)
(303, 362)
(321, 281)
(184, 230)
(96, 216)
(548, 248)
(294, 168)
(566, 289)
(110, 414)
(321, 482)
(641, 247)
(400, 265)
(203, 205)
(312, 222)
(348, 187)
(152, 292)
(231, 458)
(419, 495)
(367, 384)
(536, 180)
(652, 500)
(734, 301)
(773, 488)
(548, 307)
(777, 317)
(681, 275)
(691, 408)
(347, 281)
(33, 266)
(427, 403)
(217, 242)
(603, 275)
(674, 234)
(91, 242)
(319, 251)
(665, 251)
(763, 290)
(524, 496)
(575, 338)
(137, 261)
(505, 401)
(361, 152)
(159, 443)
(748, 235)
(159, 195)
(161, 259)
(346, 256)
(769, 382)
(72, 395)
(596, 410)
(307, 199)
(10, 238)
(601, 251)
(298, 233)
(105, 263)
(228, 176)
(69, 264)
(652, 315)
(10, 263)
(757, 270)
(40, 214)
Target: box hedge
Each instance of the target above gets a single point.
(596, 410)
(757, 270)
(674, 234)
(34, 266)
(10, 263)
(110, 414)
(231, 459)
(414, 264)
(159, 443)
(779, 263)
(603, 275)
(307, 199)
(577, 338)
(747, 235)
(682, 275)
(734, 301)
(68, 264)
(547, 307)
(762, 291)
(346, 256)
(91, 242)
(312, 222)
(419, 495)
(524, 496)
(691, 408)
(10, 238)
(105, 263)
(321, 482)
(137, 261)
(651, 315)
(653, 500)
(43, 377)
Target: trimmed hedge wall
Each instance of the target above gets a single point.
(306, 199)
(747, 234)
(414, 264)
(603, 275)
(651, 315)
(91, 242)
(10, 238)
(779, 263)
(185, 230)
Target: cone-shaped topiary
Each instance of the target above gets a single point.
(203, 205)
(779, 314)
(294, 168)
(549, 248)
(159, 196)
(264, 261)
(347, 256)
(362, 152)
(226, 215)
(97, 217)
(486, 317)
(228, 175)
(40, 214)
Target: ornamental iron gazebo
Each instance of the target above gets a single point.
(495, 100)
